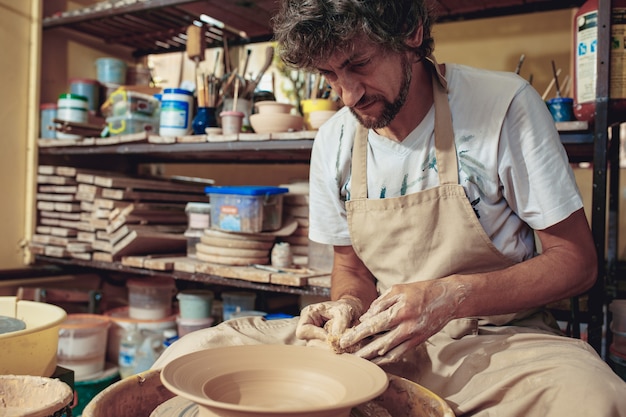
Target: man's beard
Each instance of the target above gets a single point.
(390, 109)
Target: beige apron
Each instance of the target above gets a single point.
(427, 235)
(435, 233)
(480, 370)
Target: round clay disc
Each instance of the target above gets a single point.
(244, 253)
(236, 243)
(232, 260)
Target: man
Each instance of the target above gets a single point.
(430, 184)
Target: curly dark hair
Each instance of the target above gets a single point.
(309, 31)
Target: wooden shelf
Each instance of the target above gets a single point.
(159, 26)
(268, 151)
(179, 275)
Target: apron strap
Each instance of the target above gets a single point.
(445, 149)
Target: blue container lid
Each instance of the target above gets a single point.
(177, 91)
(253, 190)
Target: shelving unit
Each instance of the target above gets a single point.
(134, 26)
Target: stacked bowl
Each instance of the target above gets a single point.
(275, 117)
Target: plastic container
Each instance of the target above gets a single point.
(123, 102)
(237, 302)
(111, 70)
(198, 219)
(82, 344)
(131, 123)
(186, 326)
(138, 350)
(176, 112)
(89, 88)
(247, 313)
(48, 112)
(247, 209)
(561, 109)
(72, 108)
(150, 298)
(195, 304)
(120, 321)
(32, 351)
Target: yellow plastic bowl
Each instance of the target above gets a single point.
(32, 351)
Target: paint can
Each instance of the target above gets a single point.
(71, 108)
(176, 111)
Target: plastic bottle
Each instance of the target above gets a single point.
(585, 61)
(169, 337)
(130, 344)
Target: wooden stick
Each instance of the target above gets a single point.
(545, 93)
(236, 94)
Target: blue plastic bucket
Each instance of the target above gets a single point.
(111, 70)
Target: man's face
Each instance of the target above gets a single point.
(372, 82)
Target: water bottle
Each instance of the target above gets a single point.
(129, 351)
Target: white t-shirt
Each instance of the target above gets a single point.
(512, 164)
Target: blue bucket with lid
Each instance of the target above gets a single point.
(111, 70)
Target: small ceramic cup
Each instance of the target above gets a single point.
(231, 122)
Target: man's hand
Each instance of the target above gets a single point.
(402, 318)
(322, 323)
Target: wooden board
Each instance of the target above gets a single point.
(132, 195)
(164, 262)
(236, 272)
(146, 184)
(187, 264)
(144, 243)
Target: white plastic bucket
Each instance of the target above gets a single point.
(111, 70)
(82, 344)
(176, 112)
(71, 108)
(195, 304)
(150, 299)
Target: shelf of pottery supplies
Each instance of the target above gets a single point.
(289, 147)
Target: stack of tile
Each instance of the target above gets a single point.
(106, 216)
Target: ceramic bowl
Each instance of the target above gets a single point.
(319, 117)
(270, 380)
(276, 122)
(264, 107)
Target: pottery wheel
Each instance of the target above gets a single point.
(176, 407)
(10, 324)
